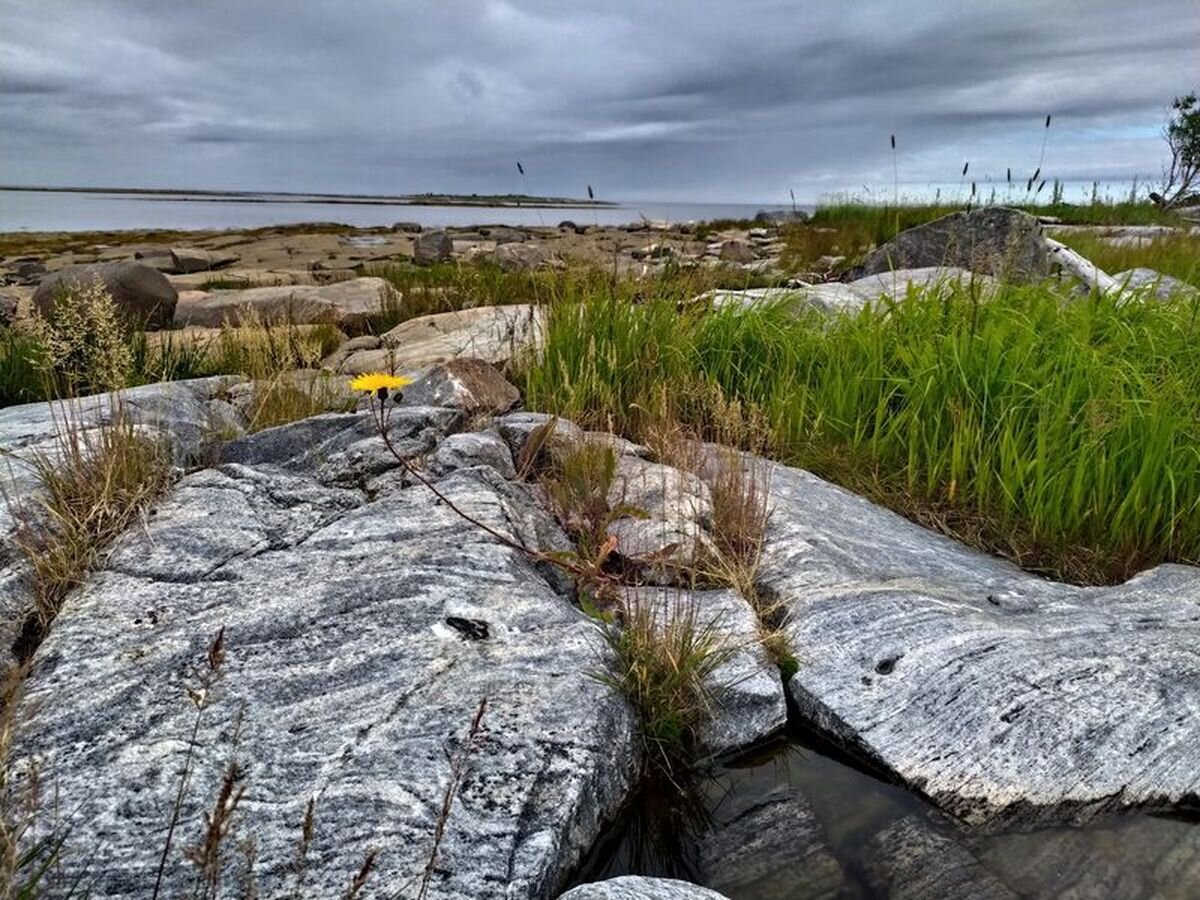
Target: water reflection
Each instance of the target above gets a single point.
(796, 821)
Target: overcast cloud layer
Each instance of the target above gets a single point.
(644, 100)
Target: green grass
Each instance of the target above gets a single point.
(850, 227)
(446, 287)
(21, 378)
(1172, 254)
(258, 350)
(1062, 434)
(663, 658)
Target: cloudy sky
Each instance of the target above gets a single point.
(643, 99)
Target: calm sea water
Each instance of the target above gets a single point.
(56, 211)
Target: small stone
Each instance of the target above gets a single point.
(466, 383)
(737, 252)
(432, 247)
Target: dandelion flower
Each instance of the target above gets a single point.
(379, 383)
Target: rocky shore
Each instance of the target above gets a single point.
(305, 624)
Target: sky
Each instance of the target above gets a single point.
(645, 100)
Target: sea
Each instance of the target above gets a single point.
(30, 210)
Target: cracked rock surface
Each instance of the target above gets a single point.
(1004, 698)
(361, 635)
(638, 887)
(186, 414)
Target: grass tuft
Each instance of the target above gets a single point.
(662, 660)
(88, 490)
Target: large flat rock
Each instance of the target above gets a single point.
(851, 297)
(495, 334)
(188, 415)
(361, 635)
(1000, 696)
(348, 304)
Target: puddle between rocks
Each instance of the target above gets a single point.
(765, 826)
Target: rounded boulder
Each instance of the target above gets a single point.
(143, 294)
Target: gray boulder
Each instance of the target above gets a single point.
(470, 449)
(407, 227)
(774, 849)
(192, 259)
(142, 293)
(495, 334)
(1155, 283)
(362, 635)
(672, 509)
(503, 235)
(638, 887)
(518, 427)
(466, 383)
(348, 304)
(29, 271)
(737, 252)
(992, 240)
(1004, 698)
(516, 257)
(432, 247)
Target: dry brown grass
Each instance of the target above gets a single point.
(88, 490)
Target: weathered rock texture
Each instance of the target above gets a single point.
(1152, 858)
(1000, 696)
(9, 304)
(348, 304)
(494, 334)
(141, 292)
(514, 257)
(432, 247)
(637, 887)
(362, 632)
(774, 850)
(908, 860)
(1155, 283)
(993, 240)
(189, 415)
(468, 384)
(836, 296)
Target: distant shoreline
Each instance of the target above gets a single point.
(209, 196)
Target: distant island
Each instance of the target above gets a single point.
(426, 199)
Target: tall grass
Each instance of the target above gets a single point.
(1061, 433)
(850, 227)
(1177, 254)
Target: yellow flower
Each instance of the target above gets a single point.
(378, 383)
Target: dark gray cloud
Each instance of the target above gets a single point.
(662, 100)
